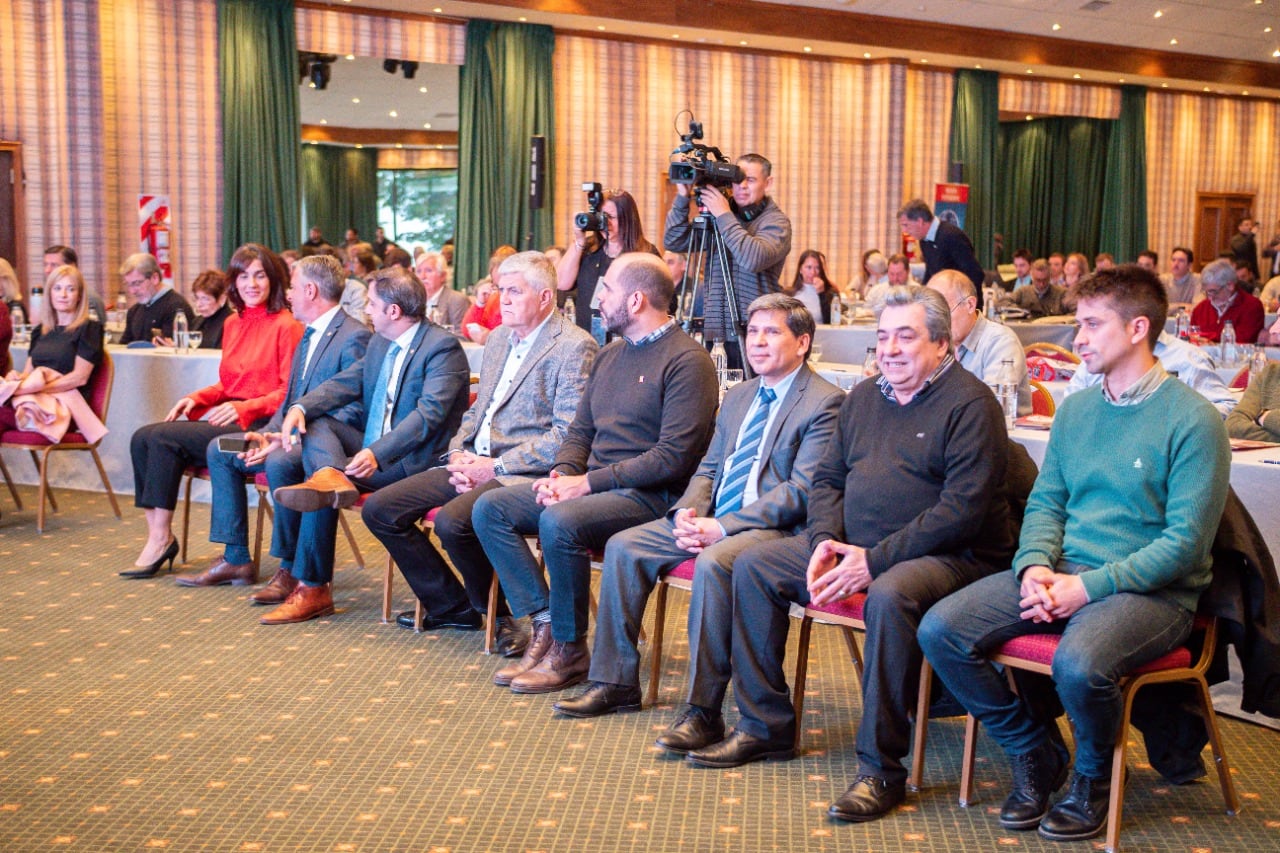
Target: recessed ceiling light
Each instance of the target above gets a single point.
(866, 56)
(324, 121)
(358, 145)
(743, 43)
(437, 10)
(522, 18)
(675, 35)
(394, 114)
(1266, 29)
(1245, 92)
(422, 89)
(808, 49)
(1075, 76)
(314, 142)
(1164, 85)
(1206, 88)
(1159, 13)
(351, 57)
(427, 126)
(600, 27)
(1276, 52)
(924, 62)
(979, 67)
(398, 145)
(1121, 79)
(311, 85)
(1028, 118)
(1029, 71)
(1173, 41)
(355, 100)
(1057, 27)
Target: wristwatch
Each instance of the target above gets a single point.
(499, 469)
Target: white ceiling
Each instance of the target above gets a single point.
(1215, 28)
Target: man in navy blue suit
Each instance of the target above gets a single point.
(412, 389)
(943, 244)
(332, 342)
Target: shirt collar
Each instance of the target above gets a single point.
(887, 390)
(407, 336)
(532, 336)
(321, 323)
(932, 234)
(164, 288)
(1140, 390)
(974, 339)
(654, 335)
(783, 385)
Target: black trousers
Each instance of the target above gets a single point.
(161, 452)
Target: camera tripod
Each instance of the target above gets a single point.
(707, 242)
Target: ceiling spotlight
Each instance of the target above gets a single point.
(1159, 13)
(390, 65)
(1057, 27)
(1173, 41)
(406, 66)
(316, 67)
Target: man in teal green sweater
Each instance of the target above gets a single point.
(1113, 556)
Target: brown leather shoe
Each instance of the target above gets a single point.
(564, 665)
(304, 603)
(539, 643)
(327, 487)
(277, 589)
(221, 572)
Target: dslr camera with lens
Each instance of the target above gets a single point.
(593, 218)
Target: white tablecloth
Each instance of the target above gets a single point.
(848, 344)
(148, 382)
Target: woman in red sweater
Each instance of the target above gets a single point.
(258, 341)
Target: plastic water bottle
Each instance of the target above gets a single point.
(1257, 363)
(1230, 352)
(180, 337)
(37, 300)
(1183, 325)
(720, 359)
(16, 316)
(870, 370)
(570, 311)
(1007, 392)
(837, 311)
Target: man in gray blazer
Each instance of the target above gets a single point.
(434, 275)
(535, 367)
(332, 342)
(412, 389)
(751, 487)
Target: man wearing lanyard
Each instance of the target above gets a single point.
(412, 385)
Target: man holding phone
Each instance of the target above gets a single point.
(332, 342)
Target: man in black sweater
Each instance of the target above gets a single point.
(643, 423)
(154, 302)
(908, 504)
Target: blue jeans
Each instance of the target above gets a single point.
(569, 532)
(229, 511)
(1100, 643)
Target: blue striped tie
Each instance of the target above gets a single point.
(377, 413)
(738, 468)
(300, 365)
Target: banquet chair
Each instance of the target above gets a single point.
(99, 397)
(1041, 400)
(847, 614)
(1034, 653)
(1051, 351)
(193, 473)
(1240, 381)
(681, 577)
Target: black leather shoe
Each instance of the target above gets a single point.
(695, 729)
(741, 748)
(1036, 775)
(510, 639)
(461, 619)
(868, 798)
(599, 699)
(1082, 813)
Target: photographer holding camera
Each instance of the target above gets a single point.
(588, 256)
(757, 239)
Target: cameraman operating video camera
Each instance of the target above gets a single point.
(757, 239)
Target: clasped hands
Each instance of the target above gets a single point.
(559, 487)
(1048, 596)
(836, 570)
(467, 470)
(694, 533)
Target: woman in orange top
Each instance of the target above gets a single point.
(257, 354)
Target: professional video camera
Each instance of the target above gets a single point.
(698, 164)
(592, 219)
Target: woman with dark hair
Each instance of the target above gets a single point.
(209, 297)
(589, 254)
(258, 344)
(63, 338)
(811, 285)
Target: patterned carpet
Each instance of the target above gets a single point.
(137, 715)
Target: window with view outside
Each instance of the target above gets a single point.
(418, 207)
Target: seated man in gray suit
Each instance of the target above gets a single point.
(750, 487)
(535, 367)
(332, 342)
(434, 275)
(412, 389)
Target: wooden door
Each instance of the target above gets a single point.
(12, 247)
(1216, 217)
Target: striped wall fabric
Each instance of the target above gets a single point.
(1198, 143)
(1058, 98)
(92, 141)
(832, 129)
(343, 31)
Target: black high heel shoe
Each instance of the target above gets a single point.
(170, 554)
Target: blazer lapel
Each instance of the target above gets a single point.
(318, 349)
(414, 346)
(785, 405)
(546, 340)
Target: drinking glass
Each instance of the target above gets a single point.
(815, 353)
(195, 337)
(731, 378)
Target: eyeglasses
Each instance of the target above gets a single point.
(962, 301)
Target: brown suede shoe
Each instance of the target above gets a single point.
(327, 487)
(564, 665)
(539, 643)
(304, 603)
(221, 572)
(277, 589)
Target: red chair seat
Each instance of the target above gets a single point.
(430, 517)
(1040, 648)
(683, 572)
(847, 608)
(35, 439)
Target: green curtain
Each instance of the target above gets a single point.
(506, 97)
(975, 115)
(1124, 194)
(340, 190)
(258, 84)
(1050, 192)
